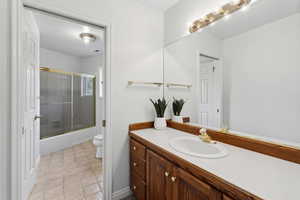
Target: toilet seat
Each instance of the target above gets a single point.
(98, 137)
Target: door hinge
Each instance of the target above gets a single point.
(214, 68)
(104, 123)
(218, 110)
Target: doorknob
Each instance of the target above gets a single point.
(37, 117)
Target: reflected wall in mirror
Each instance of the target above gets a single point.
(244, 70)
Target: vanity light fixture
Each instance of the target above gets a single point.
(223, 12)
(87, 37)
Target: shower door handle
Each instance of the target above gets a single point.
(37, 117)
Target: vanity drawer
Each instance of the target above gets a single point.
(138, 187)
(138, 166)
(137, 150)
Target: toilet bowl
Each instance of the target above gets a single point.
(98, 142)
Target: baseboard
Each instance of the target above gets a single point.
(120, 194)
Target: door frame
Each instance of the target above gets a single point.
(219, 102)
(15, 59)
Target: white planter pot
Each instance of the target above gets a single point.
(160, 123)
(178, 119)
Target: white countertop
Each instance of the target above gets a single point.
(262, 175)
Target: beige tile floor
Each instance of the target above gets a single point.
(71, 174)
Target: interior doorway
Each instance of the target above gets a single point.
(210, 92)
(63, 85)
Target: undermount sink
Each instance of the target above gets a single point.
(194, 146)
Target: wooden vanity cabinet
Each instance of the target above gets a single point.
(155, 178)
(159, 172)
(138, 169)
(225, 197)
(188, 187)
(165, 181)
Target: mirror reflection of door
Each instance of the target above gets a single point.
(209, 111)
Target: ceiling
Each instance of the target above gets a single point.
(259, 13)
(62, 35)
(161, 4)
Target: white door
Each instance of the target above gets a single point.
(209, 97)
(29, 76)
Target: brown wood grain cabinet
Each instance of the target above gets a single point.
(187, 187)
(138, 170)
(225, 197)
(159, 172)
(154, 177)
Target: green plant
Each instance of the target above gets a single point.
(160, 106)
(177, 106)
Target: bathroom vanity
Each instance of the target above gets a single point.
(237, 78)
(160, 172)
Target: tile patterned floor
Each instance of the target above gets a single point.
(72, 174)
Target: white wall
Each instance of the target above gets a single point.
(182, 67)
(91, 65)
(137, 38)
(4, 101)
(262, 81)
(58, 60)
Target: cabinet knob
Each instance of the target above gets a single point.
(166, 174)
(134, 148)
(173, 179)
(134, 187)
(134, 164)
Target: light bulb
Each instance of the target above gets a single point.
(87, 37)
(86, 40)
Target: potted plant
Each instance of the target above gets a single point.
(160, 106)
(177, 108)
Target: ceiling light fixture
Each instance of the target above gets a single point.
(87, 37)
(223, 12)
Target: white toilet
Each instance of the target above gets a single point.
(98, 142)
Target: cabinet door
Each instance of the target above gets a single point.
(188, 187)
(159, 171)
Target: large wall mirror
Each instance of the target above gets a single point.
(241, 72)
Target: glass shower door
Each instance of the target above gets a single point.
(83, 101)
(67, 102)
(56, 103)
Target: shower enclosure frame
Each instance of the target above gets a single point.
(52, 70)
(13, 181)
